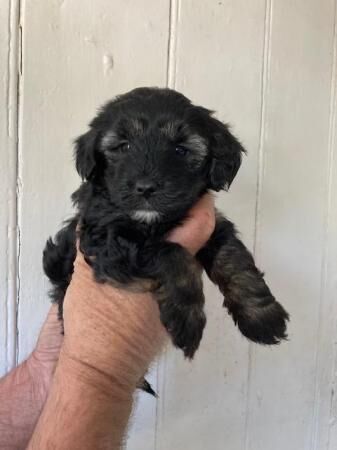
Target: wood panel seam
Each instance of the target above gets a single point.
(12, 139)
(19, 182)
(265, 73)
(171, 73)
(172, 44)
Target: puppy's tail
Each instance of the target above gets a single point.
(144, 385)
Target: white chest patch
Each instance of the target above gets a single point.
(146, 216)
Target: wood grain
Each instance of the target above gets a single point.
(269, 69)
(292, 220)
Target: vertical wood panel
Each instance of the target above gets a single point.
(292, 220)
(75, 57)
(216, 59)
(327, 430)
(267, 67)
(8, 139)
(324, 419)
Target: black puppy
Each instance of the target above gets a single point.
(147, 158)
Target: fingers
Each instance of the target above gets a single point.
(198, 226)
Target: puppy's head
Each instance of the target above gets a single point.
(153, 152)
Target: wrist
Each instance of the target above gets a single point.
(100, 405)
(118, 337)
(92, 371)
(89, 375)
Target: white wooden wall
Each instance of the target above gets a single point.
(269, 68)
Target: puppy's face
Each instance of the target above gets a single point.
(154, 153)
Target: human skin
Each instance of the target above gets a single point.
(24, 390)
(111, 337)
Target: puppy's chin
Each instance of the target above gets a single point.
(146, 216)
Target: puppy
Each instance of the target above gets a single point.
(147, 157)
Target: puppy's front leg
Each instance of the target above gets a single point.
(230, 265)
(180, 296)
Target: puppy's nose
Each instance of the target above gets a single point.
(145, 187)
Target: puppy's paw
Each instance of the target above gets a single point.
(263, 323)
(187, 329)
(185, 324)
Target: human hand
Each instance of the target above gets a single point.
(111, 337)
(115, 331)
(41, 364)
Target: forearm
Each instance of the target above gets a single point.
(21, 402)
(24, 390)
(91, 397)
(85, 409)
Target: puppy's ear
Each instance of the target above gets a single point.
(226, 155)
(85, 154)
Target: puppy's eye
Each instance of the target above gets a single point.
(125, 146)
(181, 151)
(121, 147)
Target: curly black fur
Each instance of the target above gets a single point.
(146, 159)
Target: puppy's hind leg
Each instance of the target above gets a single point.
(58, 260)
(246, 295)
(179, 295)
